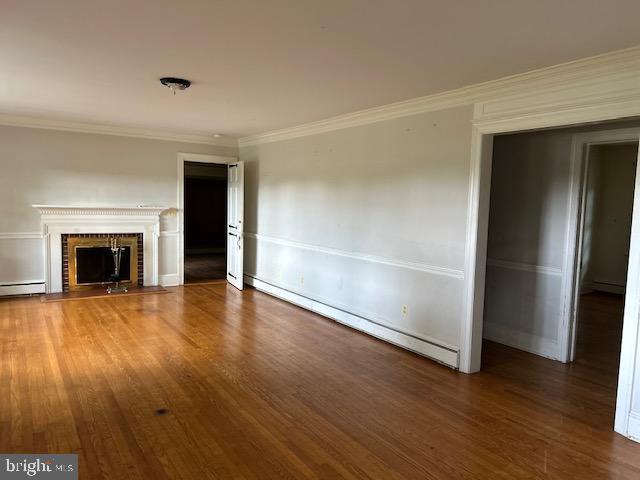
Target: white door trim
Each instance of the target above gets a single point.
(476, 243)
(182, 158)
(575, 228)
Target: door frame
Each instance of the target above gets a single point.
(198, 158)
(580, 152)
(483, 132)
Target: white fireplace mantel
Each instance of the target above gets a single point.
(57, 220)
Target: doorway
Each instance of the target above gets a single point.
(210, 218)
(605, 235)
(205, 222)
(552, 285)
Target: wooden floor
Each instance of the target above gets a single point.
(210, 382)
(204, 267)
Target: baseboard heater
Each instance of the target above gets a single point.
(28, 288)
(441, 354)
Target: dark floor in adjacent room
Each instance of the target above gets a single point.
(211, 382)
(600, 336)
(200, 268)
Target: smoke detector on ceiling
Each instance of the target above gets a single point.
(175, 84)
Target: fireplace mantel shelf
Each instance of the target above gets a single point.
(99, 209)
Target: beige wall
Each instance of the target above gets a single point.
(608, 216)
(55, 167)
(367, 219)
(527, 230)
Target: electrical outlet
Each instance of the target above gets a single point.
(301, 279)
(405, 309)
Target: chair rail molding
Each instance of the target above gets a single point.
(422, 267)
(20, 235)
(524, 267)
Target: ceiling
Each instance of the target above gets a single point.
(259, 65)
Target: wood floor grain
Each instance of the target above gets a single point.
(200, 268)
(210, 382)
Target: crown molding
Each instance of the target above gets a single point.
(122, 131)
(622, 62)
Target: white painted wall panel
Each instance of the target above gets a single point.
(529, 198)
(21, 260)
(523, 309)
(395, 190)
(527, 230)
(366, 288)
(167, 257)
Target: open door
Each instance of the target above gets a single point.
(235, 226)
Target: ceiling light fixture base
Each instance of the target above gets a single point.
(175, 84)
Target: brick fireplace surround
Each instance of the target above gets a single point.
(65, 253)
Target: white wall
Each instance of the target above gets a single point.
(608, 213)
(528, 225)
(367, 219)
(55, 167)
(527, 229)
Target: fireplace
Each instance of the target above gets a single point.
(93, 220)
(87, 260)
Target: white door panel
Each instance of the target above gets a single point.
(235, 224)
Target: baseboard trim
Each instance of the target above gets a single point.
(169, 280)
(521, 340)
(633, 430)
(21, 289)
(607, 287)
(440, 354)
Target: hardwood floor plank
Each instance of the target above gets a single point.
(210, 382)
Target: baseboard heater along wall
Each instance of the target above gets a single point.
(27, 288)
(441, 354)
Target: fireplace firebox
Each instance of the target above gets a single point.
(87, 260)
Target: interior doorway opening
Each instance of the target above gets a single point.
(604, 246)
(558, 245)
(210, 219)
(205, 222)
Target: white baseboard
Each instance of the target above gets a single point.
(607, 287)
(169, 280)
(22, 289)
(438, 353)
(633, 431)
(521, 340)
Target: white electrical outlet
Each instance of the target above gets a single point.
(405, 309)
(301, 279)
